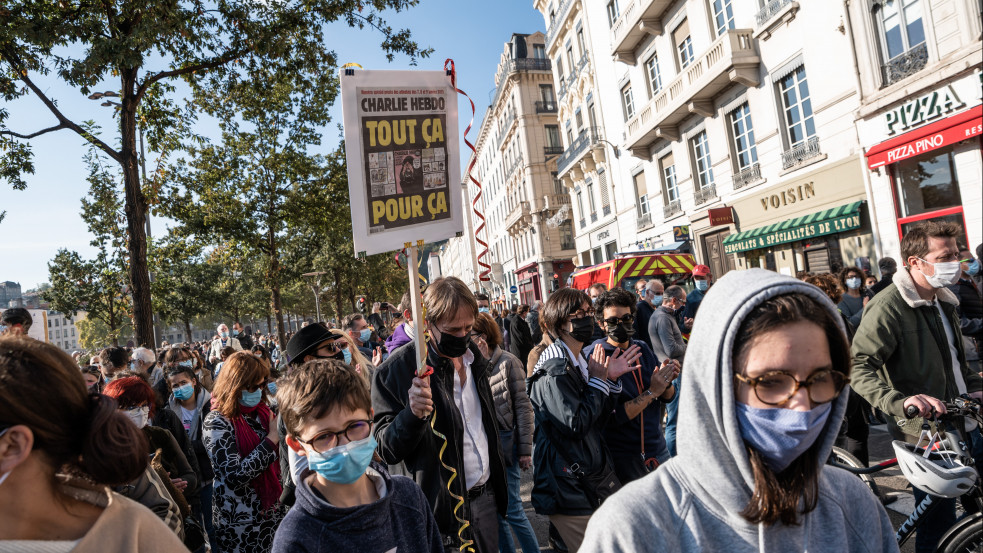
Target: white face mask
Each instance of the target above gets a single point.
(853, 283)
(946, 273)
(139, 416)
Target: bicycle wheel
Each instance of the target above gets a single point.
(843, 457)
(965, 537)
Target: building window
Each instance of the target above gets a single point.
(590, 197)
(580, 204)
(546, 93)
(723, 16)
(539, 51)
(797, 107)
(743, 133)
(566, 236)
(701, 156)
(627, 102)
(612, 12)
(670, 189)
(652, 76)
(581, 43)
(900, 26)
(557, 184)
(684, 44)
(641, 193)
(579, 118)
(559, 70)
(570, 60)
(553, 137)
(569, 134)
(927, 187)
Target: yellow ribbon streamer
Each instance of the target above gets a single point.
(460, 500)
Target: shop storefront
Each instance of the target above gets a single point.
(925, 161)
(816, 223)
(710, 229)
(530, 283)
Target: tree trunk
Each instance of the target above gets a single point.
(337, 295)
(269, 323)
(187, 328)
(135, 207)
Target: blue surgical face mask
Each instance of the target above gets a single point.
(251, 399)
(348, 356)
(656, 300)
(185, 392)
(973, 270)
(853, 283)
(272, 387)
(225, 334)
(702, 285)
(364, 335)
(483, 310)
(133, 365)
(187, 364)
(235, 332)
(343, 464)
(781, 435)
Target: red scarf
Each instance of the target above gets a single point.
(267, 484)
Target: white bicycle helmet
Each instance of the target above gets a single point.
(942, 474)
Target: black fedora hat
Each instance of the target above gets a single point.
(307, 340)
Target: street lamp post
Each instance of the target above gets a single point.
(143, 176)
(314, 281)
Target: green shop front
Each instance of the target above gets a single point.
(815, 223)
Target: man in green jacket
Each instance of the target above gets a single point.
(908, 349)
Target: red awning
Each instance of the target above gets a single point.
(945, 132)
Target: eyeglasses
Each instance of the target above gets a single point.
(580, 314)
(777, 387)
(357, 430)
(967, 260)
(256, 387)
(627, 318)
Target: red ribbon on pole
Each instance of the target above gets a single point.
(483, 275)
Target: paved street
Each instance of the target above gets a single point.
(890, 481)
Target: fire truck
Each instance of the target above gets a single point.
(626, 269)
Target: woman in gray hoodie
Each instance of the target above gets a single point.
(750, 473)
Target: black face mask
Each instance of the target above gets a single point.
(452, 346)
(621, 332)
(583, 329)
(340, 356)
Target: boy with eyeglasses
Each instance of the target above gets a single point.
(345, 501)
(634, 433)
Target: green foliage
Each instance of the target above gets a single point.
(185, 283)
(97, 286)
(94, 334)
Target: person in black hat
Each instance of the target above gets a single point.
(888, 266)
(315, 341)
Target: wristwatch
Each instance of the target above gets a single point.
(648, 393)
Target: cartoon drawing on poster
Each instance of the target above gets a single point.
(401, 148)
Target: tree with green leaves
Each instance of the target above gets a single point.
(144, 48)
(97, 286)
(185, 284)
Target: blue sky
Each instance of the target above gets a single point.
(45, 217)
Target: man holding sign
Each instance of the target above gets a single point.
(416, 416)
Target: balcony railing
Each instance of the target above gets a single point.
(671, 209)
(568, 83)
(583, 223)
(905, 65)
(506, 127)
(643, 221)
(589, 136)
(555, 201)
(567, 244)
(638, 18)
(593, 217)
(751, 173)
(606, 210)
(705, 194)
(513, 65)
(557, 23)
(518, 212)
(770, 10)
(546, 106)
(515, 165)
(731, 58)
(552, 150)
(800, 152)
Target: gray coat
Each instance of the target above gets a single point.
(667, 340)
(513, 410)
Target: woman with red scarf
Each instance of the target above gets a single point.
(240, 435)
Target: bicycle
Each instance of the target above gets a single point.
(966, 535)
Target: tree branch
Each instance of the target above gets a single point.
(64, 122)
(35, 134)
(219, 61)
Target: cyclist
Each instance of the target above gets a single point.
(759, 418)
(908, 349)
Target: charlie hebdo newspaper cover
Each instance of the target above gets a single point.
(405, 154)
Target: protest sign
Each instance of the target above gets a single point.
(402, 150)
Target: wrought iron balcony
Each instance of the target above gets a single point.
(557, 23)
(643, 221)
(593, 217)
(705, 194)
(801, 152)
(606, 210)
(555, 201)
(672, 208)
(511, 169)
(731, 58)
(744, 177)
(583, 223)
(587, 138)
(549, 151)
(905, 65)
(546, 106)
(638, 18)
(770, 10)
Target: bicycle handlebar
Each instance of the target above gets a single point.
(962, 406)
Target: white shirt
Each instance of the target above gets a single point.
(604, 386)
(477, 462)
(957, 374)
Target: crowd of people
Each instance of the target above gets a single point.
(652, 420)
